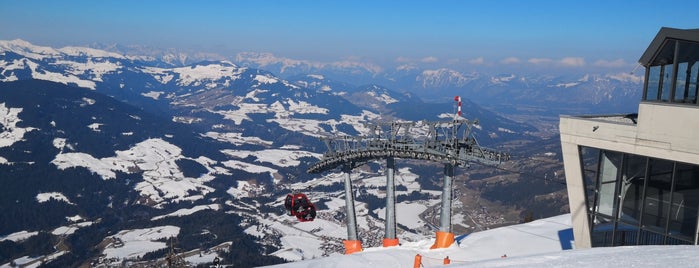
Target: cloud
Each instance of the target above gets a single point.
(402, 59)
(566, 61)
(627, 77)
(611, 64)
(407, 67)
(453, 61)
(573, 61)
(429, 59)
(354, 62)
(539, 60)
(477, 61)
(510, 60)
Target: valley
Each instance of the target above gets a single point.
(146, 153)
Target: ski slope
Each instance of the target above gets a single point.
(541, 243)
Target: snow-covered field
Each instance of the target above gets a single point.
(10, 132)
(540, 243)
(18, 236)
(188, 211)
(135, 243)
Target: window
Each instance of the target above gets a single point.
(685, 202)
(590, 159)
(673, 75)
(664, 61)
(632, 183)
(653, 83)
(666, 87)
(681, 90)
(609, 167)
(640, 200)
(657, 194)
(693, 83)
(686, 82)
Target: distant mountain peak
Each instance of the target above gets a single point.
(30, 50)
(444, 77)
(282, 65)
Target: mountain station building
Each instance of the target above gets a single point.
(634, 179)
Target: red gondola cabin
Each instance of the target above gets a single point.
(298, 205)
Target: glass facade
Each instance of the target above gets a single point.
(673, 75)
(639, 200)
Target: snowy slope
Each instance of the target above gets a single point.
(541, 236)
(539, 243)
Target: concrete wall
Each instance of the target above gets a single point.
(669, 131)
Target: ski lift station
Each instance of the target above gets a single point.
(633, 179)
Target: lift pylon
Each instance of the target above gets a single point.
(448, 142)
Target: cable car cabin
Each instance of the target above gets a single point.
(298, 205)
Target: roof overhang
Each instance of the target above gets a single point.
(664, 34)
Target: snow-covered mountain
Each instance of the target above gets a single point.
(291, 67)
(614, 93)
(373, 97)
(210, 86)
(606, 91)
(586, 91)
(99, 151)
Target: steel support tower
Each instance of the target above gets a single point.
(448, 142)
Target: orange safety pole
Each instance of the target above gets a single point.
(352, 246)
(390, 242)
(418, 261)
(443, 240)
(447, 260)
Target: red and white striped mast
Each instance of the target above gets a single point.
(458, 107)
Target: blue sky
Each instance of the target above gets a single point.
(476, 32)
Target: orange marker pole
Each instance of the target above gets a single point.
(443, 240)
(352, 246)
(388, 242)
(418, 261)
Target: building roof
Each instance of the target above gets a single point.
(665, 33)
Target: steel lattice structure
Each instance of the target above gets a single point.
(451, 143)
(438, 141)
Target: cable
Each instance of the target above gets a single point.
(634, 69)
(528, 175)
(442, 259)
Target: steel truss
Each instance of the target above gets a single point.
(448, 142)
(439, 141)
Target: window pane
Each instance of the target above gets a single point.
(610, 163)
(681, 84)
(625, 235)
(667, 83)
(685, 202)
(602, 231)
(648, 237)
(657, 201)
(633, 179)
(653, 83)
(665, 59)
(590, 158)
(693, 78)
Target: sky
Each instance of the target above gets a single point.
(497, 32)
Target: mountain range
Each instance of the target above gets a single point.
(502, 91)
(107, 157)
(599, 90)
